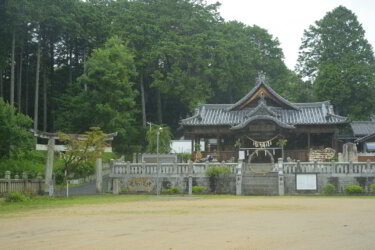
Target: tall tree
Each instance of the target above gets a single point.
(109, 101)
(338, 60)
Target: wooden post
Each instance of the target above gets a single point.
(308, 141)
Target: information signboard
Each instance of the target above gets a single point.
(306, 182)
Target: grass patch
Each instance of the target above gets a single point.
(44, 202)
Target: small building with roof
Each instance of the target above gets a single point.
(364, 137)
(263, 121)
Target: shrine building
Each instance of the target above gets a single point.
(264, 121)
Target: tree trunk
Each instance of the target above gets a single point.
(158, 96)
(85, 64)
(45, 100)
(19, 82)
(27, 88)
(1, 84)
(70, 66)
(12, 68)
(36, 105)
(51, 87)
(143, 102)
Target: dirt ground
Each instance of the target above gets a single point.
(248, 223)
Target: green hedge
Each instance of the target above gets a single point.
(354, 189)
(198, 189)
(329, 189)
(33, 165)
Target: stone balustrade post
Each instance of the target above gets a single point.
(299, 169)
(99, 175)
(316, 166)
(190, 172)
(139, 157)
(116, 186)
(7, 176)
(16, 176)
(281, 177)
(24, 178)
(48, 188)
(280, 163)
(134, 157)
(239, 178)
(350, 167)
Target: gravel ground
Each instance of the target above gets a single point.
(245, 223)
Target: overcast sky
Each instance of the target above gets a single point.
(287, 19)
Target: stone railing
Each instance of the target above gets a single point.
(120, 169)
(329, 167)
(23, 184)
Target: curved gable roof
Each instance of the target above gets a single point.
(262, 89)
(262, 117)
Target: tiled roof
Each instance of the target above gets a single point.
(317, 113)
(254, 90)
(363, 128)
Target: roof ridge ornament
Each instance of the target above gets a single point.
(261, 78)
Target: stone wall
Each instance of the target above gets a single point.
(340, 174)
(260, 184)
(282, 180)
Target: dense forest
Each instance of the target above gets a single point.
(72, 64)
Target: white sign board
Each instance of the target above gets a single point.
(306, 182)
(241, 155)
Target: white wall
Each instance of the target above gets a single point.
(183, 146)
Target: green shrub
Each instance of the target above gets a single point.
(198, 189)
(32, 164)
(16, 197)
(218, 170)
(184, 157)
(354, 189)
(373, 188)
(329, 189)
(217, 175)
(173, 190)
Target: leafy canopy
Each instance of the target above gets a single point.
(15, 139)
(165, 138)
(82, 151)
(336, 57)
(109, 101)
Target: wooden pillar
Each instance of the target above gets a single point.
(218, 148)
(308, 141)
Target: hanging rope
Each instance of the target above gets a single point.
(262, 144)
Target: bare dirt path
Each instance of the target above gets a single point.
(248, 223)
